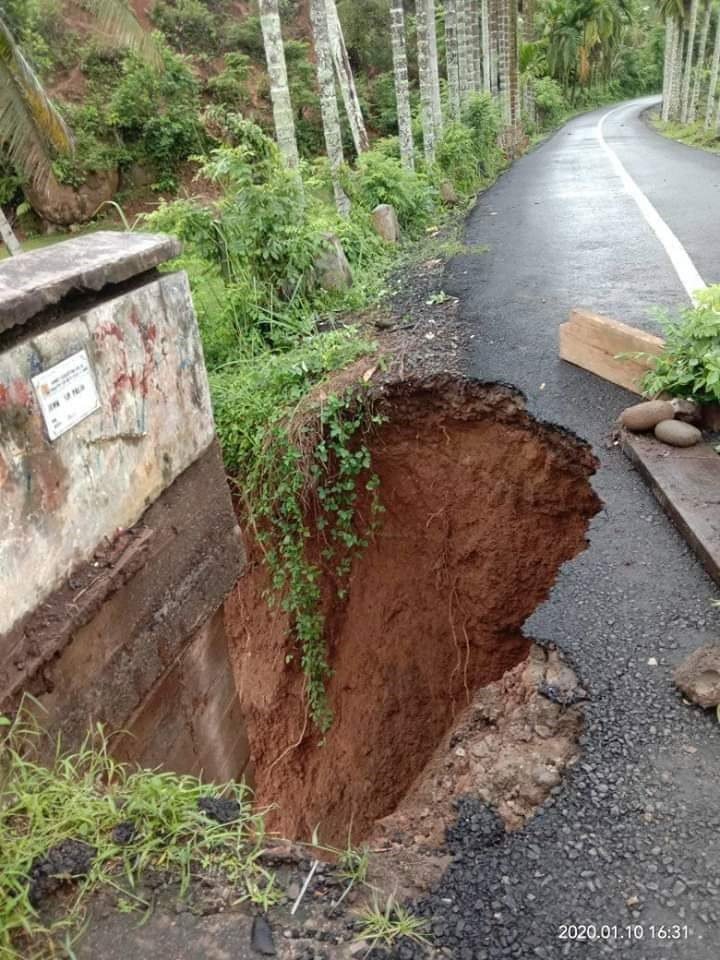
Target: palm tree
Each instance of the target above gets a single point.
(429, 76)
(328, 100)
(402, 84)
(452, 56)
(507, 59)
(32, 129)
(279, 89)
(700, 64)
(475, 45)
(714, 69)
(689, 59)
(669, 64)
(346, 80)
(674, 14)
(582, 36)
(486, 48)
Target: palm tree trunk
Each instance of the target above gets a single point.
(402, 84)
(465, 63)
(434, 69)
(328, 101)
(8, 237)
(493, 6)
(676, 92)
(475, 45)
(514, 66)
(668, 66)
(714, 70)
(429, 76)
(700, 66)
(452, 58)
(689, 58)
(279, 89)
(485, 20)
(504, 34)
(528, 20)
(346, 80)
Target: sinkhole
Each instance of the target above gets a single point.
(483, 504)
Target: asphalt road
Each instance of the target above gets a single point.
(632, 840)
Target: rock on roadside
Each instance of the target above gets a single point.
(647, 415)
(386, 223)
(448, 194)
(261, 938)
(332, 267)
(677, 434)
(698, 676)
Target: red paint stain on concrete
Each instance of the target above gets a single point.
(109, 330)
(20, 394)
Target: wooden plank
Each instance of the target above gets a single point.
(594, 343)
(687, 484)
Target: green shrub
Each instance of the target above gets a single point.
(303, 93)
(550, 101)
(378, 179)
(378, 101)
(457, 157)
(246, 36)
(689, 365)
(229, 87)
(283, 466)
(481, 115)
(157, 115)
(10, 183)
(188, 25)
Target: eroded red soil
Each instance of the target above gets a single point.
(483, 505)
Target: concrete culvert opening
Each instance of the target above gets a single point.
(483, 505)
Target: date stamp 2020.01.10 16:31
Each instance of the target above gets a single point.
(587, 932)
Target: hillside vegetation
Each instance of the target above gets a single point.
(230, 134)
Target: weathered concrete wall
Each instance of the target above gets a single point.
(118, 540)
(60, 499)
(149, 656)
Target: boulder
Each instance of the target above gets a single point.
(698, 676)
(332, 268)
(646, 416)
(448, 193)
(63, 205)
(687, 410)
(386, 223)
(677, 434)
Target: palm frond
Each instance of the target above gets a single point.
(30, 125)
(117, 20)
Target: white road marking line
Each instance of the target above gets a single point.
(679, 257)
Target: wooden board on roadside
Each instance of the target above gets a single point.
(685, 481)
(605, 347)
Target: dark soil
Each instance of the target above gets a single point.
(221, 810)
(63, 863)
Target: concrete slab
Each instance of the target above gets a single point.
(687, 484)
(33, 281)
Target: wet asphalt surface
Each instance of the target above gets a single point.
(631, 840)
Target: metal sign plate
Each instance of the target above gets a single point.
(67, 394)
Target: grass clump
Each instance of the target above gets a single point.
(692, 134)
(386, 925)
(127, 820)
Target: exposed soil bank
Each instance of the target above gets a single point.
(483, 505)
